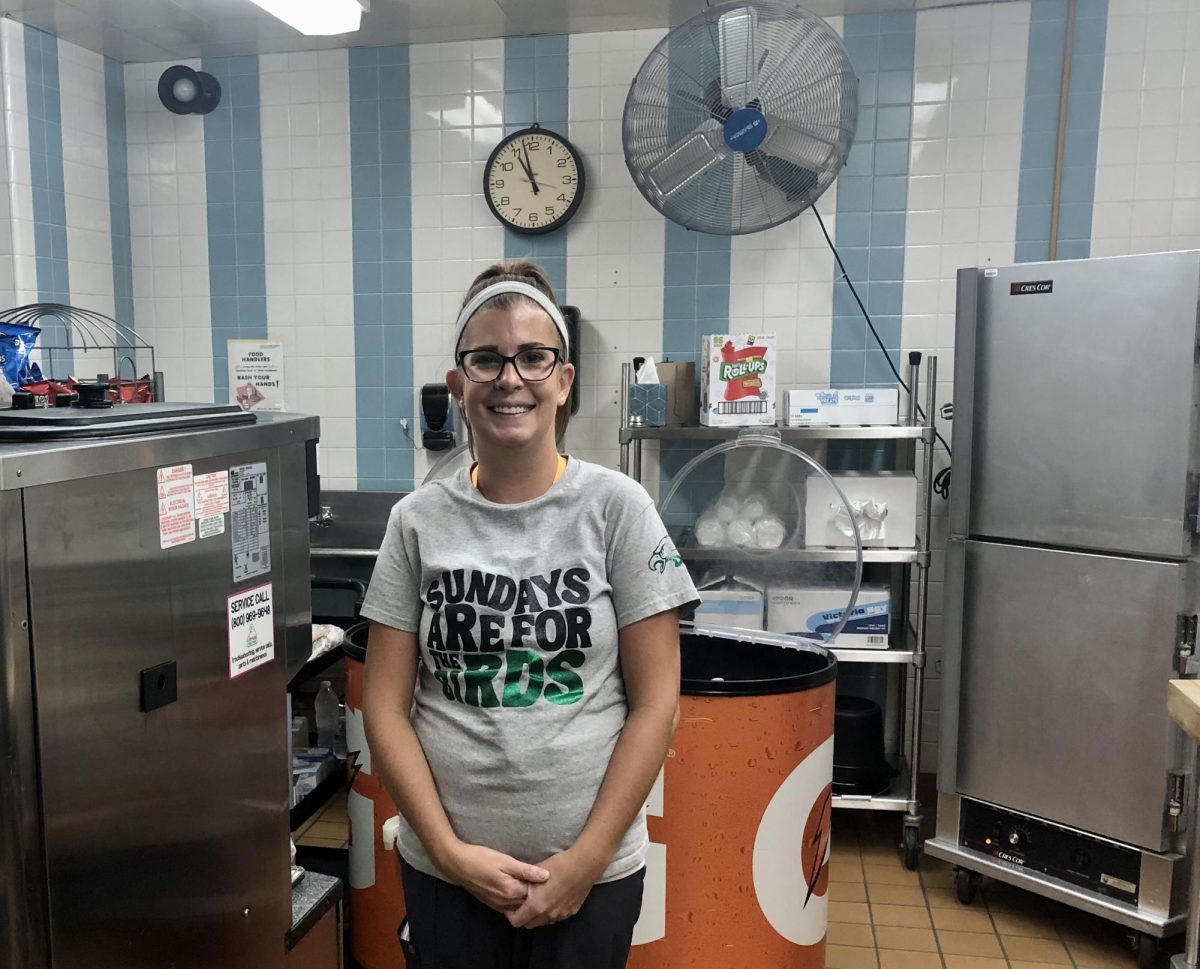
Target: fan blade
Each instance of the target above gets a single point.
(738, 50)
(801, 147)
(689, 158)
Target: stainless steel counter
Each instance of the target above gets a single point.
(311, 899)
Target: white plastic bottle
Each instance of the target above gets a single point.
(326, 706)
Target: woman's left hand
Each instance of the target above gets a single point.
(572, 876)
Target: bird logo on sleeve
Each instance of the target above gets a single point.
(664, 554)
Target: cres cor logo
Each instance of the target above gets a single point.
(1035, 287)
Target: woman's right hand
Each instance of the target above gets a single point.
(496, 879)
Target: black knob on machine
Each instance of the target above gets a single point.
(93, 395)
(1018, 838)
(23, 400)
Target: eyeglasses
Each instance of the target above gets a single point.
(531, 364)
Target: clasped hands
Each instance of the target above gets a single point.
(529, 896)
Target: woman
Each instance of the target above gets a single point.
(522, 681)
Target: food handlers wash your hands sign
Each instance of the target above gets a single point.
(256, 374)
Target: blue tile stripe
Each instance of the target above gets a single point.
(1078, 188)
(233, 177)
(118, 192)
(872, 200)
(695, 305)
(1039, 130)
(381, 192)
(49, 194)
(535, 89)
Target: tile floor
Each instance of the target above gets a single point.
(328, 828)
(882, 916)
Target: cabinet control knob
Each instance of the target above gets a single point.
(1014, 838)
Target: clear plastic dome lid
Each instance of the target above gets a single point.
(737, 513)
(449, 463)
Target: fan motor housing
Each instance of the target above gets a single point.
(745, 129)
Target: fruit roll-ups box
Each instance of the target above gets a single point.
(737, 379)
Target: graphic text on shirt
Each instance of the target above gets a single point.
(496, 641)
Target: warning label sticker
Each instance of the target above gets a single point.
(249, 521)
(176, 509)
(212, 494)
(214, 525)
(251, 629)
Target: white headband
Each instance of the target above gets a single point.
(524, 289)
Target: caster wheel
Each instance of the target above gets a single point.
(912, 848)
(966, 885)
(1146, 947)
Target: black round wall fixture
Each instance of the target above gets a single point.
(185, 91)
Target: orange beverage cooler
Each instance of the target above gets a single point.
(376, 903)
(737, 875)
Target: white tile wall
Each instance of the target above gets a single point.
(20, 272)
(1148, 160)
(614, 244)
(457, 93)
(968, 107)
(308, 247)
(85, 179)
(781, 282)
(169, 227)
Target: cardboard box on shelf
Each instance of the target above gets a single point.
(737, 606)
(814, 611)
(833, 406)
(680, 380)
(737, 379)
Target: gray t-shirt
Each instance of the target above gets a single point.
(519, 698)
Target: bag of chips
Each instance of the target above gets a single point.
(46, 391)
(16, 342)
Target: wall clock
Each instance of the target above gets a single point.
(534, 180)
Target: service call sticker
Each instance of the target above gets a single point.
(251, 627)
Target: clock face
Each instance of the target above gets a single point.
(534, 180)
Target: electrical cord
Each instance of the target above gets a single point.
(941, 481)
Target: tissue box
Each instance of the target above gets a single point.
(813, 611)
(897, 490)
(829, 406)
(648, 402)
(741, 608)
(737, 379)
(680, 381)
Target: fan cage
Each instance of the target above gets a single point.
(806, 86)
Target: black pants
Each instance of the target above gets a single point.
(451, 929)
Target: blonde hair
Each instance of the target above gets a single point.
(519, 271)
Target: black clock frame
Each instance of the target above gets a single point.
(566, 217)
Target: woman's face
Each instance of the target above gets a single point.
(510, 412)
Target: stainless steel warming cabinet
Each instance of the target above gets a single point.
(154, 598)
(1072, 583)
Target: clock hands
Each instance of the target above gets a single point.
(529, 168)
